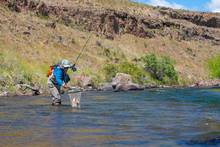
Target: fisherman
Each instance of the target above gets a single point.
(58, 79)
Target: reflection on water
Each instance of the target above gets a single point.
(171, 117)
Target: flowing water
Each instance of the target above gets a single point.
(161, 117)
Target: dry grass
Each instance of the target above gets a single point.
(119, 5)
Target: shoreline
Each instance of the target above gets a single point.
(200, 85)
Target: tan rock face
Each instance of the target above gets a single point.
(201, 19)
(123, 82)
(122, 79)
(84, 81)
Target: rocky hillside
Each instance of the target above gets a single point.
(177, 24)
(29, 28)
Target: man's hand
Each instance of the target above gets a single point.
(74, 68)
(65, 86)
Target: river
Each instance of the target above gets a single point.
(159, 117)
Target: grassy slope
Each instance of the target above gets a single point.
(44, 45)
(122, 5)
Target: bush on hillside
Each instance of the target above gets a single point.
(214, 67)
(138, 74)
(161, 68)
(13, 72)
(110, 70)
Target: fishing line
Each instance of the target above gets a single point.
(82, 50)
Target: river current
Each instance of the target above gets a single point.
(158, 117)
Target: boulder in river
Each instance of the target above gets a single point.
(84, 81)
(123, 82)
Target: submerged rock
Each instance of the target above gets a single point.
(206, 139)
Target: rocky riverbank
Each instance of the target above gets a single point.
(121, 82)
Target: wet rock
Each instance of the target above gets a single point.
(4, 93)
(25, 89)
(207, 83)
(106, 87)
(127, 87)
(123, 82)
(149, 86)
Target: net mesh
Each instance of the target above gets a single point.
(75, 99)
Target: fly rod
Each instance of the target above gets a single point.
(82, 50)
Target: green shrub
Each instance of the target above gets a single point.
(110, 70)
(138, 75)
(161, 68)
(14, 71)
(214, 67)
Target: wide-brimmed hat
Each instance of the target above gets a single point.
(66, 63)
